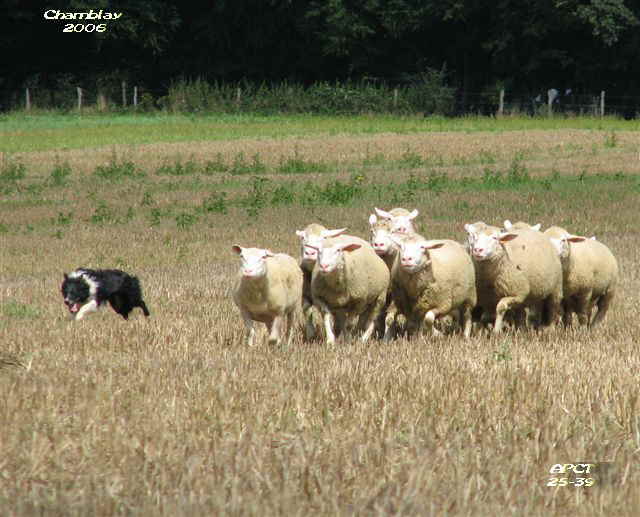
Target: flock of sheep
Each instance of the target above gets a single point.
(400, 281)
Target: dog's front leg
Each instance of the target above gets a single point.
(92, 306)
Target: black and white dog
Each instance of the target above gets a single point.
(85, 290)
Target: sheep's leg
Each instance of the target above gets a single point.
(466, 320)
(390, 325)
(273, 327)
(343, 324)
(248, 323)
(430, 319)
(290, 320)
(603, 306)
(413, 325)
(551, 309)
(520, 318)
(310, 328)
(506, 303)
(583, 307)
(567, 316)
(368, 322)
(328, 328)
(328, 321)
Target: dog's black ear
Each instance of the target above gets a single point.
(66, 276)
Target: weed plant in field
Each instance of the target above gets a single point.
(11, 172)
(60, 174)
(178, 168)
(118, 169)
(215, 202)
(296, 164)
(241, 166)
(215, 166)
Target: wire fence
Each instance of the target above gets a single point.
(328, 99)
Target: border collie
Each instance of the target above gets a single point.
(85, 290)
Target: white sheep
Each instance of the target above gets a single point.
(310, 240)
(269, 290)
(401, 220)
(432, 279)
(515, 270)
(520, 225)
(590, 275)
(349, 281)
(384, 245)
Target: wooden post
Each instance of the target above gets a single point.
(79, 92)
(395, 98)
(135, 97)
(27, 99)
(238, 96)
(501, 104)
(549, 103)
(124, 94)
(102, 102)
(602, 103)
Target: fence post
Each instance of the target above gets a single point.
(135, 97)
(238, 91)
(395, 98)
(549, 103)
(27, 99)
(124, 94)
(79, 92)
(602, 103)
(501, 104)
(102, 102)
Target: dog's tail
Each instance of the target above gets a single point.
(143, 306)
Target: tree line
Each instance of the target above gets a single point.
(475, 46)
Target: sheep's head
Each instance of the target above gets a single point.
(487, 243)
(560, 239)
(331, 257)
(310, 241)
(381, 235)
(414, 252)
(473, 230)
(401, 220)
(253, 261)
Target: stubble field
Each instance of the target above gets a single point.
(176, 415)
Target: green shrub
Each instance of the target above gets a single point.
(60, 174)
(118, 169)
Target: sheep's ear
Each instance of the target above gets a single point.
(65, 276)
(575, 238)
(300, 233)
(433, 246)
(506, 237)
(383, 214)
(470, 229)
(236, 249)
(373, 219)
(269, 253)
(333, 233)
(414, 213)
(351, 246)
(507, 224)
(536, 227)
(594, 238)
